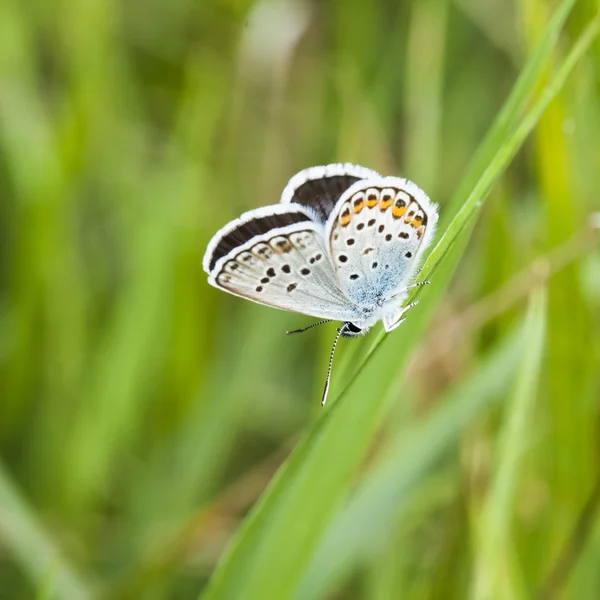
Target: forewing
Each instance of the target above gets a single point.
(320, 188)
(377, 235)
(285, 266)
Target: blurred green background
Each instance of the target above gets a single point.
(142, 412)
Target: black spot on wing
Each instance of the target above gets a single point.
(322, 194)
(252, 228)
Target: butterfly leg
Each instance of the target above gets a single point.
(396, 318)
(396, 324)
(409, 306)
(415, 285)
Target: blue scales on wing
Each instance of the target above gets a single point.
(376, 239)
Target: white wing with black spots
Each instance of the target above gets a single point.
(285, 266)
(377, 235)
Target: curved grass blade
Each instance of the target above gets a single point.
(506, 152)
(275, 543)
(359, 526)
(33, 548)
(467, 213)
(497, 572)
(514, 105)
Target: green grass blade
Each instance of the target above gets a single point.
(497, 574)
(465, 217)
(358, 527)
(34, 549)
(274, 545)
(506, 152)
(513, 107)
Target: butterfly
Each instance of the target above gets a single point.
(343, 244)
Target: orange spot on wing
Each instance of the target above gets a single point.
(385, 204)
(398, 211)
(417, 221)
(345, 215)
(358, 206)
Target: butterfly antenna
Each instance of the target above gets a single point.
(326, 389)
(307, 328)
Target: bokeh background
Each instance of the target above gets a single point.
(143, 413)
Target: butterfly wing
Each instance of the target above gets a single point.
(377, 235)
(277, 256)
(320, 188)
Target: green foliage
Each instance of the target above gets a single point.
(146, 418)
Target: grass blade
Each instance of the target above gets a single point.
(34, 549)
(274, 545)
(359, 526)
(513, 107)
(507, 151)
(496, 572)
(465, 217)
